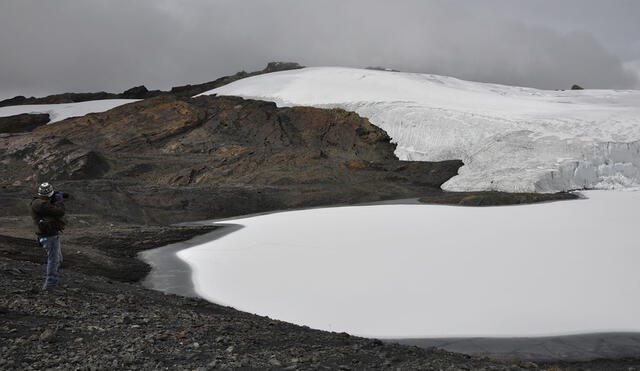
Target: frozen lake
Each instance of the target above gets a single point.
(401, 271)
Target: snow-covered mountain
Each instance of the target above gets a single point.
(511, 139)
(62, 111)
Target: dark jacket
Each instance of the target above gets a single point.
(48, 213)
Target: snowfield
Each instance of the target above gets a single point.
(62, 111)
(511, 139)
(434, 271)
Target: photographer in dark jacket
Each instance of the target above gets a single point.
(47, 211)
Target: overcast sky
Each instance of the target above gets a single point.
(89, 45)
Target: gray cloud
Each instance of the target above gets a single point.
(89, 45)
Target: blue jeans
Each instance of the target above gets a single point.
(54, 259)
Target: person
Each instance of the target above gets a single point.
(47, 211)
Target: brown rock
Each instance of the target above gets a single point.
(48, 335)
(22, 123)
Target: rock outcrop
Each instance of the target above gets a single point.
(23, 122)
(137, 92)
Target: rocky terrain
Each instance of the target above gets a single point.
(135, 170)
(94, 323)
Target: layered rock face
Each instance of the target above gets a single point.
(167, 160)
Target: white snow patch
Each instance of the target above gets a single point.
(510, 138)
(435, 271)
(62, 111)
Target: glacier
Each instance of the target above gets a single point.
(512, 139)
(62, 111)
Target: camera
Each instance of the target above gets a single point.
(58, 196)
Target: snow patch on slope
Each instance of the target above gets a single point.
(62, 111)
(511, 139)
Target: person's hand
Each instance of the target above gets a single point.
(60, 195)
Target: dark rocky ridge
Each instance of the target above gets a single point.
(141, 92)
(22, 122)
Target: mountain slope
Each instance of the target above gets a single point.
(166, 160)
(510, 138)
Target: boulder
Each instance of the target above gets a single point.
(137, 92)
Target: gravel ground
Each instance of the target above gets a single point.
(92, 322)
